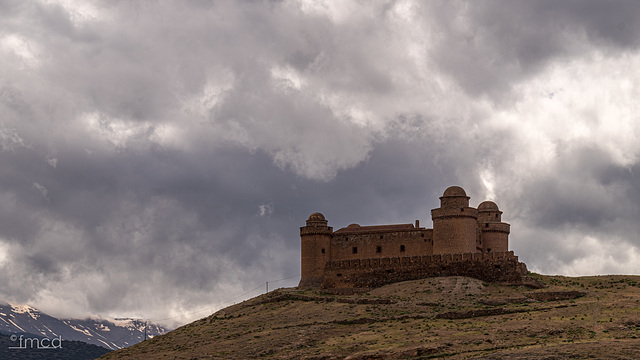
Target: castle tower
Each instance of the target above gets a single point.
(316, 250)
(455, 224)
(494, 233)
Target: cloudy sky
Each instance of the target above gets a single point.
(158, 158)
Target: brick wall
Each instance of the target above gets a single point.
(381, 244)
(495, 237)
(454, 231)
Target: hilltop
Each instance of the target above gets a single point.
(445, 317)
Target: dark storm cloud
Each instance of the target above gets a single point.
(488, 46)
(587, 189)
(159, 158)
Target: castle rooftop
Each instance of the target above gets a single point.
(488, 206)
(355, 228)
(454, 191)
(316, 216)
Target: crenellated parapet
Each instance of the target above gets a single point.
(419, 260)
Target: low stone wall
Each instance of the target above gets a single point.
(371, 273)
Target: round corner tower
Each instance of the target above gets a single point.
(455, 224)
(316, 250)
(494, 233)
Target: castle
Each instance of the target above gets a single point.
(464, 241)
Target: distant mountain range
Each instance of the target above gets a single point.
(109, 333)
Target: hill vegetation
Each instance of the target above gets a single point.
(448, 317)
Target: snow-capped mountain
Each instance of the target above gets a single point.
(110, 333)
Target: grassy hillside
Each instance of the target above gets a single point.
(452, 317)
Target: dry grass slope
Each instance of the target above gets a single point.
(451, 317)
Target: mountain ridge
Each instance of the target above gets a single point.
(108, 333)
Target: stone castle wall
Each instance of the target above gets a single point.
(371, 273)
(455, 234)
(363, 245)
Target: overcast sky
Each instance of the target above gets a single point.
(158, 158)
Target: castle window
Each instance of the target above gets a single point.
(422, 235)
(461, 209)
(338, 275)
(378, 249)
(381, 236)
(354, 250)
(489, 250)
(401, 248)
(496, 216)
(486, 225)
(322, 251)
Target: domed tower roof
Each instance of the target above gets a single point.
(316, 219)
(454, 197)
(488, 206)
(488, 212)
(316, 216)
(454, 191)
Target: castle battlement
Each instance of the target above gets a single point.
(464, 241)
(419, 260)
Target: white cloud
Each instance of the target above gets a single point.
(202, 103)
(118, 132)
(601, 257)
(42, 190)
(265, 209)
(4, 252)
(26, 51)
(572, 104)
(79, 12)
(10, 140)
(53, 162)
(285, 77)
